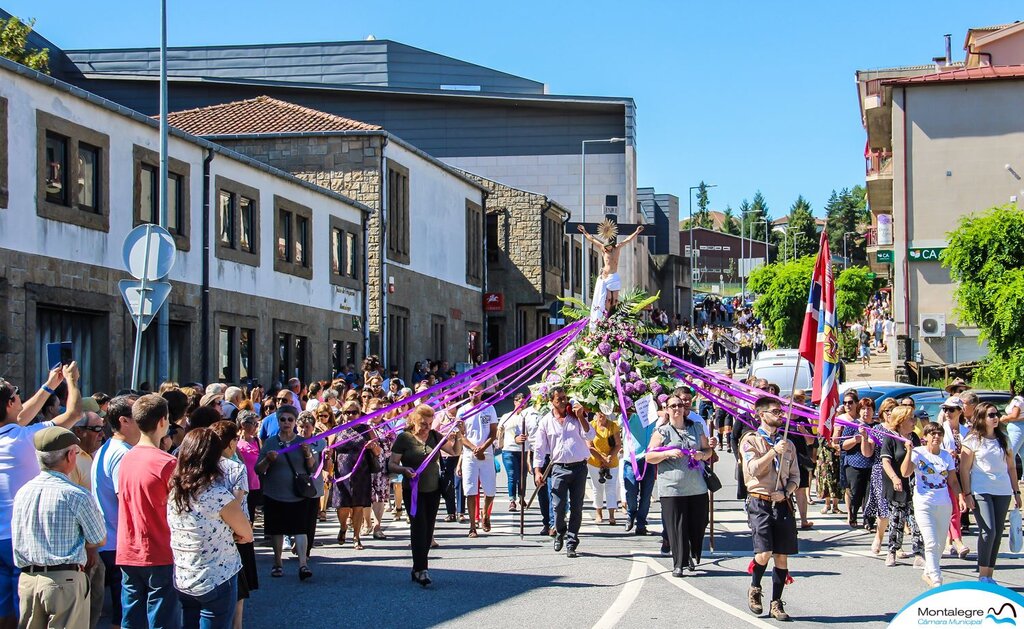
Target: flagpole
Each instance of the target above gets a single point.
(789, 418)
(522, 482)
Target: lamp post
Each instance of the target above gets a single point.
(743, 225)
(585, 281)
(846, 259)
(765, 221)
(693, 247)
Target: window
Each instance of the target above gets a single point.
(73, 173)
(293, 235)
(88, 177)
(237, 227)
(474, 244)
(493, 243)
(398, 336)
(56, 169)
(291, 356)
(86, 330)
(147, 194)
(225, 364)
(343, 353)
(346, 255)
(179, 349)
(398, 213)
(552, 243)
(565, 262)
(3, 153)
(577, 268)
(246, 347)
(438, 338)
(595, 266)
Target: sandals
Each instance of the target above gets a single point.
(341, 537)
(378, 534)
(964, 552)
(450, 517)
(277, 571)
(434, 544)
(304, 573)
(473, 533)
(487, 524)
(357, 545)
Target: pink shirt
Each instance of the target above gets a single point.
(565, 441)
(249, 452)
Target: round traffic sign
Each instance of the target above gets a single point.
(148, 251)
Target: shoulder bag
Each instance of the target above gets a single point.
(710, 478)
(302, 484)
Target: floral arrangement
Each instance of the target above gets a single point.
(588, 367)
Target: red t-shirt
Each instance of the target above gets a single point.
(143, 536)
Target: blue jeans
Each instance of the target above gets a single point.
(213, 610)
(638, 493)
(513, 470)
(1015, 433)
(9, 575)
(148, 598)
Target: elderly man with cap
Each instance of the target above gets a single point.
(18, 464)
(57, 531)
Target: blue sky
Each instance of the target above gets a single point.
(746, 95)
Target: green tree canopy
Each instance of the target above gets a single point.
(729, 223)
(802, 229)
(14, 45)
(702, 218)
(782, 290)
(847, 211)
(985, 257)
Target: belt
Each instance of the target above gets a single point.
(764, 497)
(72, 567)
(573, 464)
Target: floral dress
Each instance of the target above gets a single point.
(877, 506)
(353, 491)
(380, 483)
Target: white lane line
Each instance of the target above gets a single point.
(626, 596)
(705, 597)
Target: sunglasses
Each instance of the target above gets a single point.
(248, 421)
(15, 392)
(92, 428)
(271, 407)
(286, 419)
(327, 415)
(848, 402)
(350, 412)
(675, 405)
(778, 412)
(951, 409)
(993, 415)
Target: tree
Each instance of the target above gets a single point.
(703, 217)
(986, 266)
(14, 45)
(782, 290)
(755, 211)
(729, 224)
(847, 211)
(802, 227)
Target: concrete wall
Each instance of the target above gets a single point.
(68, 266)
(949, 161)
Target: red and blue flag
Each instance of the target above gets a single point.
(819, 342)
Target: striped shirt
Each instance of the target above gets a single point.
(53, 521)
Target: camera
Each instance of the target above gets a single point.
(604, 475)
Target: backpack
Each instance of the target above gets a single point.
(865, 338)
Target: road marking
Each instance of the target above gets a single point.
(626, 597)
(705, 597)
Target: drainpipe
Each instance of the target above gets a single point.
(383, 244)
(204, 309)
(906, 218)
(483, 271)
(364, 324)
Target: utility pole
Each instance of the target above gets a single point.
(163, 317)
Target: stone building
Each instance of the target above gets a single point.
(425, 244)
(525, 245)
(261, 289)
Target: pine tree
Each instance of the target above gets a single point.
(802, 227)
(729, 223)
(703, 217)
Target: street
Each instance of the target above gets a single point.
(619, 580)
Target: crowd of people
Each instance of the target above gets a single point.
(156, 497)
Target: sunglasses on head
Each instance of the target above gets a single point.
(14, 392)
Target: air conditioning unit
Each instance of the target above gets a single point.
(933, 325)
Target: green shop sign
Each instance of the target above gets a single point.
(885, 255)
(924, 254)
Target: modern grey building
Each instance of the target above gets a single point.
(500, 126)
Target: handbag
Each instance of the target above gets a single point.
(302, 484)
(711, 479)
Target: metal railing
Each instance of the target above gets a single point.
(878, 163)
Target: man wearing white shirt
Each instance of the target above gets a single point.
(480, 428)
(563, 435)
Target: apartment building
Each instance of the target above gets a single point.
(943, 141)
(261, 289)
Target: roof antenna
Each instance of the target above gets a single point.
(370, 37)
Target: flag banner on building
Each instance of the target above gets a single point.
(819, 343)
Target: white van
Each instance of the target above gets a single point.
(780, 371)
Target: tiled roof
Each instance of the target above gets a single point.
(987, 73)
(259, 115)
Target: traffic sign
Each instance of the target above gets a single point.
(149, 251)
(143, 308)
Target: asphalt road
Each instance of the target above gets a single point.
(619, 580)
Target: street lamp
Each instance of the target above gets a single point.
(693, 248)
(765, 221)
(585, 283)
(846, 260)
(743, 228)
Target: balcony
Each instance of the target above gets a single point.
(878, 175)
(878, 115)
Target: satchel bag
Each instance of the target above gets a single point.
(711, 479)
(1016, 534)
(302, 484)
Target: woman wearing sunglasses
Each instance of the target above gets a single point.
(354, 461)
(988, 475)
(858, 450)
(951, 416)
(936, 487)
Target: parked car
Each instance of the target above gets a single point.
(930, 402)
(777, 353)
(780, 371)
(899, 391)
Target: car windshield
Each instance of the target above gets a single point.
(782, 375)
